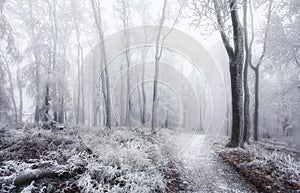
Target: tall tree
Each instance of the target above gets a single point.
(248, 56)
(158, 54)
(123, 10)
(80, 94)
(104, 75)
(256, 68)
(236, 63)
(4, 99)
(9, 55)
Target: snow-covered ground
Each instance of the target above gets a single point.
(122, 160)
(206, 172)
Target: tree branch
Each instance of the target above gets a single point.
(221, 28)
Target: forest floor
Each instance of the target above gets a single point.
(75, 159)
(271, 166)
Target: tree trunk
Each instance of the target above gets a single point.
(94, 93)
(158, 52)
(236, 72)
(46, 104)
(122, 110)
(20, 89)
(105, 75)
(246, 88)
(37, 111)
(79, 62)
(256, 104)
(11, 88)
(236, 61)
(82, 87)
(236, 75)
(128, 113)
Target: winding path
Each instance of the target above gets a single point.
(207, 173)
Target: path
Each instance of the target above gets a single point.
(207, 173)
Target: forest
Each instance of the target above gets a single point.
(149, 96)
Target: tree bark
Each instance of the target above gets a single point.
(246, 88)
(98, 20)
(256, 104)
(236, 61)
(158, 53)
(11, 88)
(256, 71)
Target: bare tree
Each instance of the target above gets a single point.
(236, 63)
(159, 45)
(256, 67)
(20, 91)
(158, 54)
(104, 75)
(123, 10)
(80, 93)
(11, 87)
(247, 61)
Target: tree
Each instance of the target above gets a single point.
(104, 75)
(80, 94)
(9, 56)
(144, 14)
(123, 10)
(248, 57)
(256, 72)
(158, 53)
(236, 63)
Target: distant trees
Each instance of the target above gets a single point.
(9, 55)
(223, 15)
(256, 68)
(44, 67)
(123, 10)
(53, 37)
(281, 69)
(104, 73)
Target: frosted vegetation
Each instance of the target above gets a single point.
(122, 160)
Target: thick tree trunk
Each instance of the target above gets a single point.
(40, 174)
(236, 61)
(236, 75)
(246, 88)
(256, 104)
(236, 71)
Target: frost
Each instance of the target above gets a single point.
(29, 189)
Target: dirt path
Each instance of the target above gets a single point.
(207, 173)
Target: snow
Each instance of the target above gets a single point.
(206, 172)
(127, 160)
